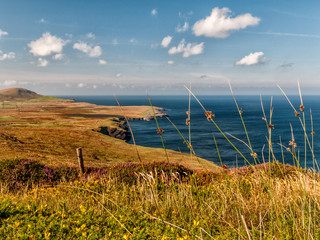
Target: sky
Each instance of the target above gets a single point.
(124, 47)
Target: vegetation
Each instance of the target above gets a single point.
(151, 199)
(157, 201)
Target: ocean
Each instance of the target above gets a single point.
(228, 120)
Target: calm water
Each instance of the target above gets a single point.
(228, 120)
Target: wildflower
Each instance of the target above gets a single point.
(188, 112)
(47, 234)
(32, 236)
(160, 131)
(187, 121)
(296, 114)
(313, 133)
(271, 126)
(126, 236)
(209, 115)
(240, 111)
(301, 108)
(253, 154)
(110, 234)
(195, 223)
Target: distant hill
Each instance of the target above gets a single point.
(18, 94)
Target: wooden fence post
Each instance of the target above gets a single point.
(80, 160)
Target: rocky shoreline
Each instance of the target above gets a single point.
(121, 131)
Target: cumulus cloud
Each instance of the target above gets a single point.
(3, 33)
(46, 45)
(58, 56)
(102, 62)
(91, 35)
(187, 49)
(118, 75)
(4, 56)
(166, 41)
(94, 86)
(154, 12)
(42, 62)
(9, 83)
(220, 24)
(182, 28)
(170, 62)
(91, 51)
(81, 85)
(252, 59)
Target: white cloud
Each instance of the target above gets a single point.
(3, 33)
(94, 86)
(220, 24)
(81, 85)
(133, 40)
(252, 59)
(58, 56)
(42, 20)
(170, 62)
(102, 62)
(154, 12)
(91, 51)
(166, 41)
(9, 82)
(91, 35)
(46, 45)
(118, 75)
(42, 62)
(187, 49)
(4, 56)
(183, 28)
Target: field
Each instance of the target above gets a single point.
(124, 196)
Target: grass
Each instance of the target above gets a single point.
(123, 196)
(47, 98)
(166, 202)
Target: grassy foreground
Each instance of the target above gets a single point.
(158, 201)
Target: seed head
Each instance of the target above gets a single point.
(301, 108)
(209, 115)
(240, 112)
(296, 114)
(253, 154)
(187, 121)
(292, 143)
(187, 112)
(271, 126)
(313, 133)
(160, 131)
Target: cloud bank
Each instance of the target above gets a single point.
(220, 24)
(4, 56)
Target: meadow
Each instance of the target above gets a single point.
(147, 199)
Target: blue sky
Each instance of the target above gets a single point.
(131, 47)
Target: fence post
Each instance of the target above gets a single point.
(80, 160)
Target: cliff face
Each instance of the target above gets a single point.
(120, 132)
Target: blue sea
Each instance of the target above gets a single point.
(227, 118)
